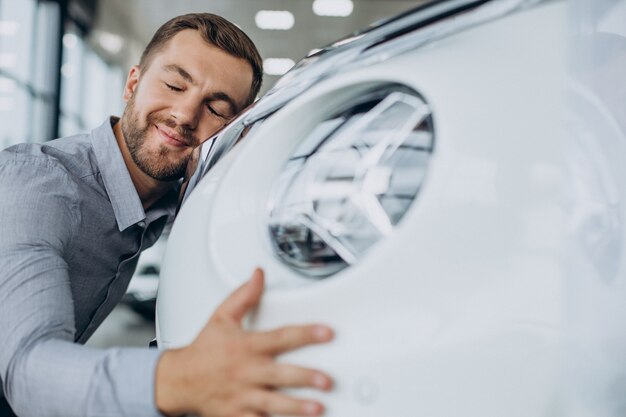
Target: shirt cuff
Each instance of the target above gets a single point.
(136, 389)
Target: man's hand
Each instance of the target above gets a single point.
(228, 372)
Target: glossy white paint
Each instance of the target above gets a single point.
(595, 312)
(458, 312)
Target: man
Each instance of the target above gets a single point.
(76, 212)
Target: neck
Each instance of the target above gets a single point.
(148, 189)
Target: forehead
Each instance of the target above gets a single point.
(209, 66)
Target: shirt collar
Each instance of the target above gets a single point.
(118, 184)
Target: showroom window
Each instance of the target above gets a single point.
(91, 89)
(40, 99)
(28, 42)
(71, 82)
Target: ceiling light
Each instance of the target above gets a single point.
(277, 66)
(8, 60)
(68, 70)
(9, 27)
(274, 19)
(110, 42)
(70, 40)
(340, 8)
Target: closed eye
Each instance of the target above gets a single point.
(212, 110)
(173, 87)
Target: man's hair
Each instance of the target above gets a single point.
(216, 31)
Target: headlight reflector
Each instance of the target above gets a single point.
(351, 180)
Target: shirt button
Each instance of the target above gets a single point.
(141, 224)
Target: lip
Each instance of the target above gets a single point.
(171, 137)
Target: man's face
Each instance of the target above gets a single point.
(189, 90)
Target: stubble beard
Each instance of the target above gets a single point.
(153, 164)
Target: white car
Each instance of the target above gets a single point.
(403, 186)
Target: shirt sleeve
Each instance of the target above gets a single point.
(43, 372)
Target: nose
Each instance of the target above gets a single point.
(186, 111)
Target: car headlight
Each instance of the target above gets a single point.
(351, 180)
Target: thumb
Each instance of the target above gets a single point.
(243, 299)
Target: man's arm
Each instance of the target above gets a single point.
(229, 372)
(43, 372)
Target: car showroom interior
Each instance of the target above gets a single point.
(239, 208)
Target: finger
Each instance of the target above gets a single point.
(288, 376)
(288, 338)
(276, 403)
(211, 412)
(243, 299)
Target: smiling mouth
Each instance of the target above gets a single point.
(171, 138)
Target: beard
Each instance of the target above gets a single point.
(154, 163)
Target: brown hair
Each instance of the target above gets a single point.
(215, 30)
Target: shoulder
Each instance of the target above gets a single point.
(30, 172)
(39, 198)
(72, 153)
(72, 156)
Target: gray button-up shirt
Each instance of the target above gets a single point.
(71, 230)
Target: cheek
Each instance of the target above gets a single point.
(209, 126)
(149, 99)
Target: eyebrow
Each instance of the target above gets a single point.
(180, 71)
(220, 96)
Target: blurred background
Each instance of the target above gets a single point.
(63, 64)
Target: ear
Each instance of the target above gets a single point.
(132, 81)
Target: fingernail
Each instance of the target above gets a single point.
(312, 409)
(322, 333)
(320, 381)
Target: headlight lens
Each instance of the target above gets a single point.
(350, 181)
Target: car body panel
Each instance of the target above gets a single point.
(457, 311)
